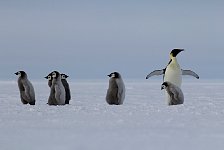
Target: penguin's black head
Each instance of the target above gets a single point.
(21, 74)
(55, 74)
(114, 75)
(64, 76)
(164, 85)
(175, 52)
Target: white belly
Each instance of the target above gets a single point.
(173, 74)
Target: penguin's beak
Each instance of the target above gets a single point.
(46, 77)
(16, 73)
(180, 50)
(162, 87)
(109, 75)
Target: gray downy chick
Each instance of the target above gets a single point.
(175, 93)
(26, 89)
(67, 88)
(57, 94)
(116, 91)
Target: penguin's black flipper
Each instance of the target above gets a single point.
(156, 73)
(190, 73)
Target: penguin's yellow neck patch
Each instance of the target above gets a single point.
(171, 56)
(174, 59)
(174, 64)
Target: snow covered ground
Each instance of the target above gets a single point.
(144, 121)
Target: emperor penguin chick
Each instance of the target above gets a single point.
(57, 94)
(67, 89)
(175, 93)
(116, 91)
(26, 89)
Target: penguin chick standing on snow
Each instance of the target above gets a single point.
(175, 93)
(67, 89)
(116, 91)
(26, 89)
(57, 94)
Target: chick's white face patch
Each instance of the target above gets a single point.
(54, 75)
(113, 75)
(49, 77)
(163, 87)
(63, 77)
(19, 74)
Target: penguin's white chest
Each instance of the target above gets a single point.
(173, 74)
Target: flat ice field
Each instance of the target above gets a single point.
(144, 122)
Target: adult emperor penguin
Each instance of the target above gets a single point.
(67, 89)
(57, 94)
(116, 91)
(175, 93)
(173, 72)
(26, 89)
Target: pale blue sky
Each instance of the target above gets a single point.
(90, 39)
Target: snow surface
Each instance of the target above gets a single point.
(144, 121)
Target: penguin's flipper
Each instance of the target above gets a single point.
(121, 91)
(27, 93)
(156, 73)
(23, 97)
(190, 73)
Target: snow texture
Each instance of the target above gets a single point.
(143, 122)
